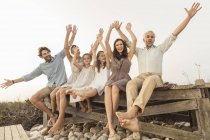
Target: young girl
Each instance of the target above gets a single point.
(102, 72)
(120, 67)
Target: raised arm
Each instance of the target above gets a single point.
(117, 26)
(133, 43)
(68, 43)
(190, 13)
(108, 47)
(74, 61)
(93, 50)
(105, 52)
(8, 82)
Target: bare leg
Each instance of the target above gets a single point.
(109, 109)
(60, 121)
(89, 106)
(37, 101)
(53, 99)
(82, 106)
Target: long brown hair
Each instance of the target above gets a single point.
(116, 54)
(98, 62)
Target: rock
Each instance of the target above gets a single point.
(102, 137)
(36, 127)
(34, 133)
(136, 136)
(85, 130)
(37, 137)
(187, 124)
(83, 138)
(49, 139)
(167, 139)
(73, 137)
(56, 137)
(88, 135)
(78, 134)
(95, 130)
(48, 136)
(121, 134)
(145, 138)
(63, 138)
(64, 133)
(129, 138)
(70, 134)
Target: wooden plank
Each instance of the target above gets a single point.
(22, 132)
(8, 134)
(203, 117)
(92, 115)
(44, 119)
(1, 133)
(15, 133)
(169, 132)
(176, 94)
(170, 108)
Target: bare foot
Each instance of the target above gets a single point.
(132, 125)
(53, 119)
(82, 109)
(106, 127)
(57, 127)
(130, 114)
(89, 110)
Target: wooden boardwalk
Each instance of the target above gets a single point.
(13, 132)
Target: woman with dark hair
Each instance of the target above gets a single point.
(120, 67)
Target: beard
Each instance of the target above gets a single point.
(48, 58)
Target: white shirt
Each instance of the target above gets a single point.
(150, 60)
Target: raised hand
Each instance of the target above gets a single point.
(101, 31)
(93, 48)
(117, 24)
(111, 26)
(74, 30)
(69, 28)
(128, 26)
(193, 10)
(7, 83)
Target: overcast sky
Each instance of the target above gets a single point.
(25, 25)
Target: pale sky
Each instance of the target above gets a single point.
(25, 25)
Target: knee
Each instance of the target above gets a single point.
(33, 99)
(52, 95)
(131, 85)
(152, 78)
(62, 92)
(115, 88)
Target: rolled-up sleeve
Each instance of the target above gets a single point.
(35, 73)
(167, 43)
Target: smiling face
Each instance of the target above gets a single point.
(101, 57)
(46, 55)
(119, 46)
(149, 39)
(74, 49)
(87, 59)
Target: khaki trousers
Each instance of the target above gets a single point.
(147, 82)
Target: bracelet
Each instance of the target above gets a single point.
(13, 81)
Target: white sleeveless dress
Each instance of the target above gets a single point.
(74, 74)
(84, 78)
(99, 81)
